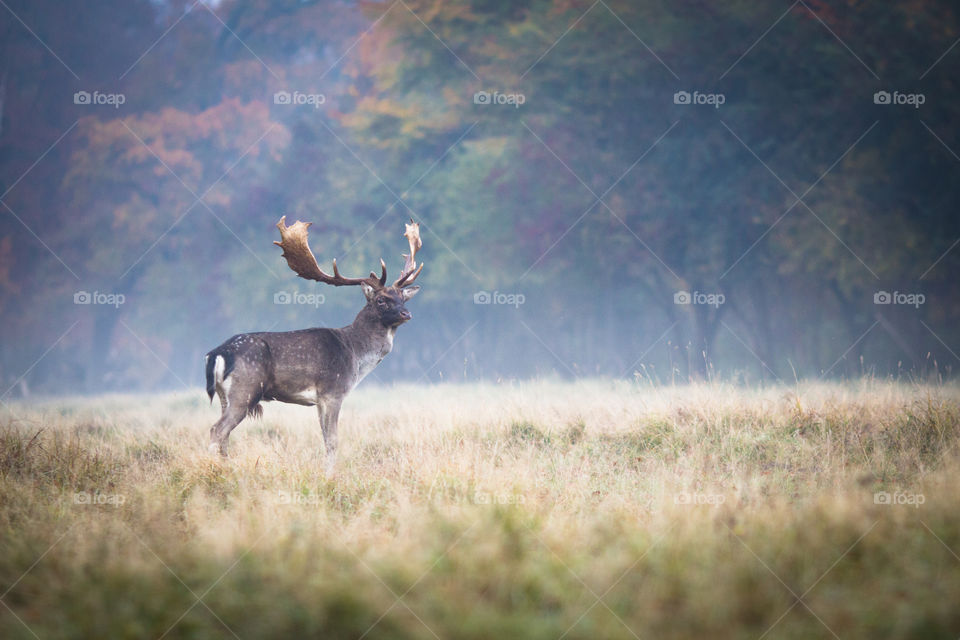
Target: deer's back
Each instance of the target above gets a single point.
(290, 366)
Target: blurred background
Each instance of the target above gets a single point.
(673, 191)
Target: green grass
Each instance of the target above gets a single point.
(537, 510)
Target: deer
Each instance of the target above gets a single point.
(310, 367)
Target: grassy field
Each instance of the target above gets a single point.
(594, 509)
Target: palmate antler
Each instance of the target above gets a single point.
(296, 250)
(410, 269)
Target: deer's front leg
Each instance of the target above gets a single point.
(329, 410)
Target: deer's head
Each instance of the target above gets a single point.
(385, 302)
(389, 303)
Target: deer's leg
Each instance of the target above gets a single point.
(220, 431)
(214, 440)
(236, 404)
(329, 410)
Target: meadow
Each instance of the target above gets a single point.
(542, 509)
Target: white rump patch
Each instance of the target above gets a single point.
(219, 366)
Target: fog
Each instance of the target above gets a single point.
(618, 189)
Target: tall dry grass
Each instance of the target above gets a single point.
(542, 510)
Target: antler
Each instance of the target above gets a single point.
(410, 269)
(296, 249)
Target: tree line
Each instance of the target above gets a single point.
(614, 188)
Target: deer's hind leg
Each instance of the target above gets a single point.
(220, 431)
(236, 402)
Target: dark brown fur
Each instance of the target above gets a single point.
(307, 367)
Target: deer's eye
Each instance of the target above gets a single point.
(381, 302)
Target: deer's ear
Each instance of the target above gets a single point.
(368, 291)
(409, 292)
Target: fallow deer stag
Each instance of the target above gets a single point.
(311, 366)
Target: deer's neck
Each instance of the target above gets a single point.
(368, 339)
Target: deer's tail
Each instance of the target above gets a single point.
(219, 364)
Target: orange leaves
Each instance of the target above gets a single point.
(126, 174)
(196, 147)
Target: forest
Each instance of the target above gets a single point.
(671, 191)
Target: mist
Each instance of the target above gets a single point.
(627, 190)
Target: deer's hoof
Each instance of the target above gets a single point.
(215, 449)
